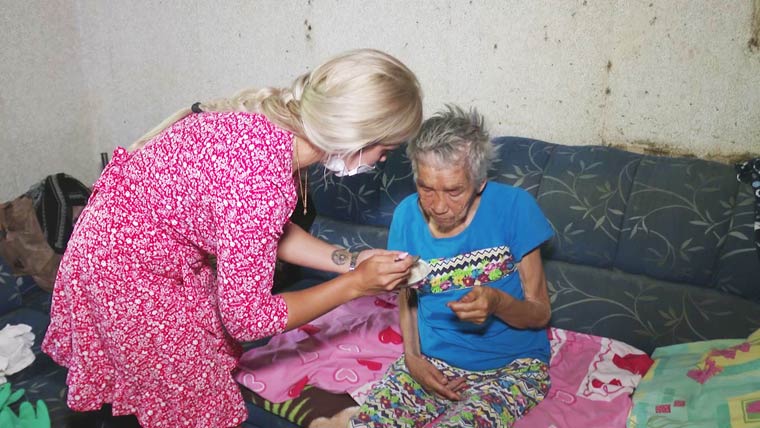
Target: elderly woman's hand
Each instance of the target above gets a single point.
(477, 305)
(432, 379)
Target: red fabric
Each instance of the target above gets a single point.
(635, 363)
(663, 408)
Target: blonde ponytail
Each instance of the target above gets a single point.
(277, 104)
(353, 100)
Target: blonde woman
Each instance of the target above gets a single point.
(139, 317)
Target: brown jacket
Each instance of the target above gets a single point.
(23, 245)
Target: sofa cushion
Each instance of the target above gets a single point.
(678, 213)
(352, 236)
(642, 311)
(39, 300)
(24, 283)
(366, 198)
(584, 194)
(521, 162)
(10, 296)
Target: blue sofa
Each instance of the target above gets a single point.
(649, 250)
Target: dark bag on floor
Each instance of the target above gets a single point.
(35, 227)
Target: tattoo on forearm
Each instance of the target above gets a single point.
(340, 256)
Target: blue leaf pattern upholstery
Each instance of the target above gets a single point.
(584, 193)
(679, 211)
(521, 162)
(648, 250)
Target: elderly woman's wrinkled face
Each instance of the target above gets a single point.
(447, 195)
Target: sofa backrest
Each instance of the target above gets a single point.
(651, 250)
(675, 219)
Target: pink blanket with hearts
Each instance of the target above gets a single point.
(348, 349)
(342, 351)
(592, 381)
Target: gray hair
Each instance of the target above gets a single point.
(454, 136)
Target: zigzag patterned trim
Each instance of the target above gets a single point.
(494, 254)
(468, 270)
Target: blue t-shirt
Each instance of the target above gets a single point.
(507, 225)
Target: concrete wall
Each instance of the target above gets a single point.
(677, 75)
(45, 124)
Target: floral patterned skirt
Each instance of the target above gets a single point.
(492, 398)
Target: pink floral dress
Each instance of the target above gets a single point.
(138, 316)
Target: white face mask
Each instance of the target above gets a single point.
(338, 166)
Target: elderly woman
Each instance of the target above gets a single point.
(475, 349)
